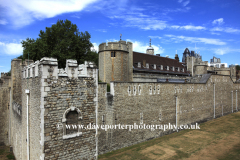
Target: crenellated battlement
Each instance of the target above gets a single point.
(49, 67)
(120, 45)
(4, 74)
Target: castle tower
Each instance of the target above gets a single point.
(115, 61)
(150, 49)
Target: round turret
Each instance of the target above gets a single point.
(115, 61)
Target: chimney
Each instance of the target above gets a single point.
(158, 55)
(176, 57)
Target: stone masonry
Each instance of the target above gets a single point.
(44, 99)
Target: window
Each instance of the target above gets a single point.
(147, 65)
(167, 67)
(150, 90)
(33, 71)
(158, 89)
(160, 116)
(115, 117)
(183, 69)
(129, 90)
(176, 68)
(72, 119)
(173, 68)
(139, 64)
(113, 54)
(139, 90)
(134, 90)
(161, 67)
(103, 119)
(154, 66)
(72, 116)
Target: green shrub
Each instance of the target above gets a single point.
(10, 156)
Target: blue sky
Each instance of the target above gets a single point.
(210, 25)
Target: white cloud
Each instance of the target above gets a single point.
(186, 3)
(227, 30)
(3, 21)
(11, 48)
(178, 39)
(222, 51)
(140, 47)
(218, 21)
(155, 37)
(101, 30)
(144, 22)
(214, 33)
(25, 12)
(232, 30)
(188, 27)
(95, 47)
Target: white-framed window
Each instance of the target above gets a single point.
(72, 116)
(139, 90)
(139, 64)
(33, 71)
(158, 88)
(103, 119)
(150, 89)
(173, 68)
(161, 67)
(134, 90)
(115, 118)
(183, 69)
(147, 65)
(154, 66)
(129, 90)
(168, 68)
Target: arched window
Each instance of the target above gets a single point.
(72, 118)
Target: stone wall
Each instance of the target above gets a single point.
(42, 97)
(31, 102)
(16, 118)
(61, 92)
(156, 103)
(57, 95)
(4, 108)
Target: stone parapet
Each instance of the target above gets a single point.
(120, 45)
(49, 67)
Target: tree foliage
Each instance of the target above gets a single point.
(62, 41)
(238, 67)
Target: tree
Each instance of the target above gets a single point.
(238, 67)
(62, 41)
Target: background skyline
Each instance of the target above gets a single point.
(210, 25)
